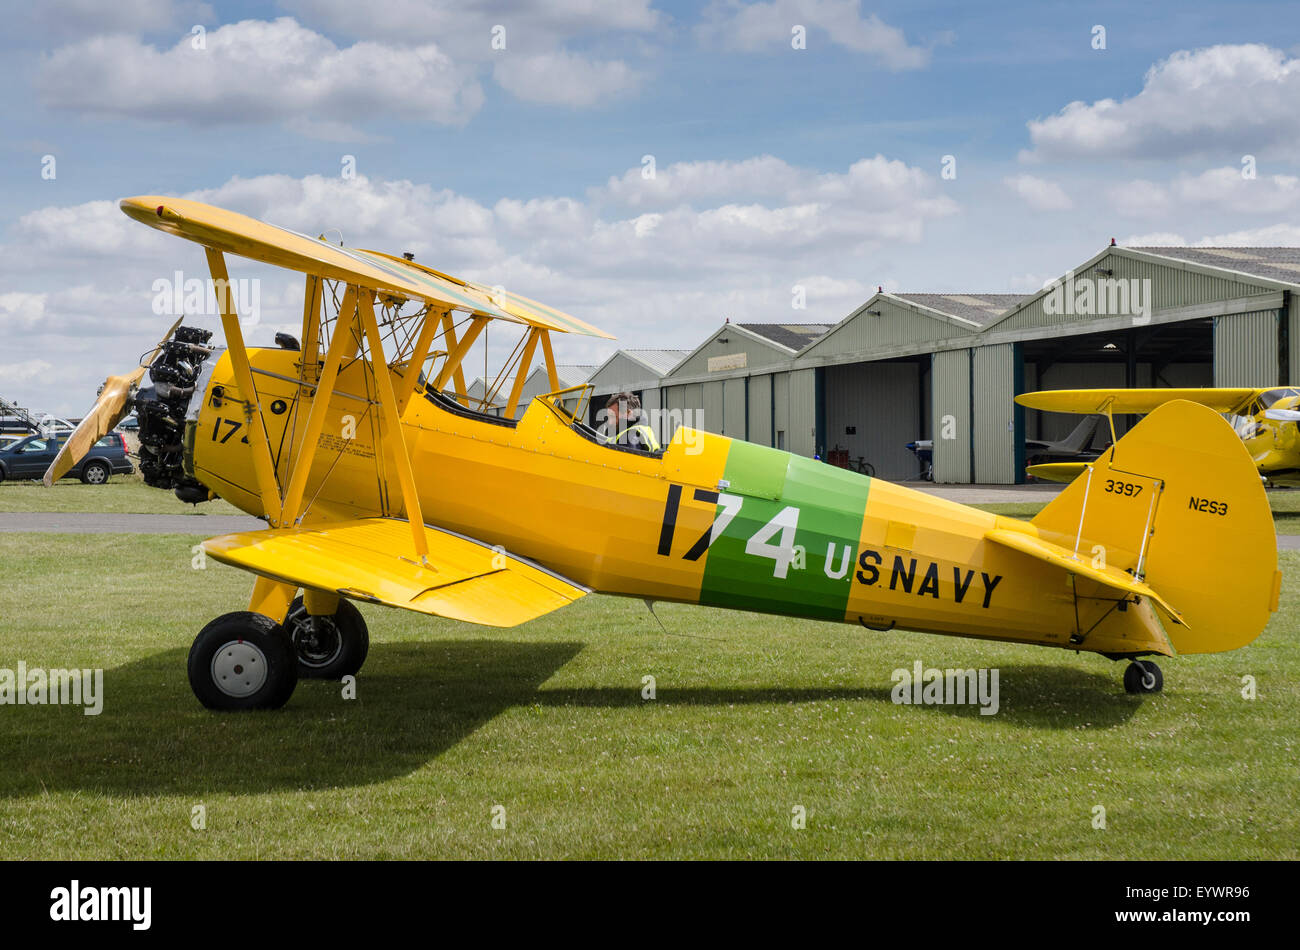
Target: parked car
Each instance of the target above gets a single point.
(31, 456)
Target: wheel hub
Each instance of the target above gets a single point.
(316, 640)
(239, 669)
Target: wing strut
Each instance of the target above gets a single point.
(305, 452)
(415, 365)
(391, 430)
(263, 464)
(525, 364)
(551, 371)
(452, 362)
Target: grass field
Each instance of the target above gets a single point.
(754, 715)
(121, 494)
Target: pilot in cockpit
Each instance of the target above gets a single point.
(624, 425)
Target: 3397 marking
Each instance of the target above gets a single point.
(1207, 505)
(1128, 489)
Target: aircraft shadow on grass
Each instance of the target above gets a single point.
(1044, 697)
(415, 701)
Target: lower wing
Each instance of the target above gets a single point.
(374, 559)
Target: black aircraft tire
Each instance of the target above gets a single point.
(240, 661)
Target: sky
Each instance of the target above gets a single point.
(653, 168)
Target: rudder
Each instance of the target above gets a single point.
(1179, 501)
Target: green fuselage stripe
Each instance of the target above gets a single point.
(830, 502)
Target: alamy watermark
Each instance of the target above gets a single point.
(920, 686)
(35, 686)
(177, 296)
(1100, 296)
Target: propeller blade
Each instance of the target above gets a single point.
(109, 409)
(1282, 415)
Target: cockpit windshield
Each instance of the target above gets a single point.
(1267, 399)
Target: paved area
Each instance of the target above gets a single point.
(100, 523)
(1039, 494)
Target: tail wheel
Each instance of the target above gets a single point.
(328, 647)
(242, 660)
(1143, 676)
(95, 473)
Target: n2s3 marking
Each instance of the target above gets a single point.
(760, 544)
(1207, 505)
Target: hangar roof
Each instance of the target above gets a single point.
(1273, 263)
(658, 362)
(792, 336)
(570, 374)
(978, 308)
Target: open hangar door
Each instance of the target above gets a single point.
(1165, 356)
(873, 409)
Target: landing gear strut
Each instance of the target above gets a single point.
(1143, 676)
(328, 646)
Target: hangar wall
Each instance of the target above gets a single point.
(802, 412)
(995, 382)
(950, 414)
(1246, 349)
(781, 410)
(760, 409)
(881, 401)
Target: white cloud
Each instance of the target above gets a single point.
(1273, 235)
(1217, 189)
(21, 311)
(662, 273)
(257, 70)
(1225, 188)
(1223, 98)
(537, 64)
(465, 29)
(1155, 239)
(24, 372)
(731, 24)
(563, 78)
(69, 19)
(1140, 198)
(1039, 193)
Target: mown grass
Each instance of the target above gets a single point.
(753, 716)
(121, 494)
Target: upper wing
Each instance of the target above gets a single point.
(1135, 400)
(528, 310)
(239, 234)
(374, 559)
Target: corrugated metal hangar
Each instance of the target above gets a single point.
(945, 367)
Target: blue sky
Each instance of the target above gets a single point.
(774, 167)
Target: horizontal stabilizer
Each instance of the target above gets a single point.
(1120, 401)
(374, 559)
(1057, 471)
(1061, 557)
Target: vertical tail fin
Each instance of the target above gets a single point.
(1179, 503)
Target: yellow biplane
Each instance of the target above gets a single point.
(1264, 419)
(378, 486)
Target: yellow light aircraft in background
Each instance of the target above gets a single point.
(1264, 419)
(377, 487)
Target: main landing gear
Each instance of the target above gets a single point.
(1143, 676)
(245, 660)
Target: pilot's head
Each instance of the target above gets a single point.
(623, 409)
